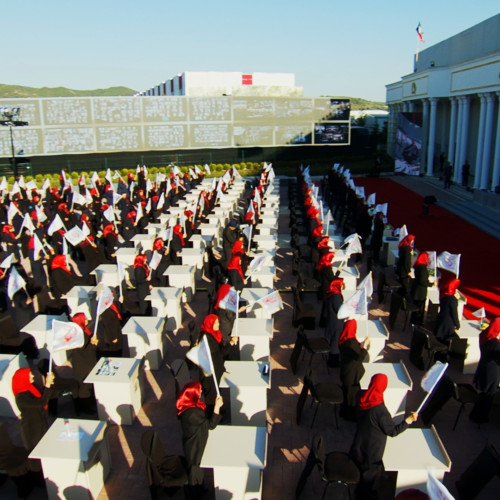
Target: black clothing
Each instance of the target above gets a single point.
(83, 359)
(142, 288)
(195, 426)
(404, 269)
(352, 356)
(419, 292)
(112, 338)
(218, 353)
(175, 250)
(229, 236)
(377, 238)
(447, 319)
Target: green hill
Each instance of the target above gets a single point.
(7, 91)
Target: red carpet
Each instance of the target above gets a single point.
(442, 230)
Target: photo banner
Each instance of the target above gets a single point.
(408, 146)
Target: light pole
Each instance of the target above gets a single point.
(9, 117)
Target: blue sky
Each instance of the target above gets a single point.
(336, 48)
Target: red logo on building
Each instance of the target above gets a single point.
(246, 79)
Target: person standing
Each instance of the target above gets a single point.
(419, 287)
(448, 172)
(405, 249)
(447, 321)
(465, 173)
(374, 424)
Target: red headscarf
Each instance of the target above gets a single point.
(132, 215)
(108, 229)
(178, 232)
(335, 286)
(238, 247)
(492, 332)
(221, 293)
(158, 244)
(190, 398)
(80, 319)
(324, 242)
(140, 261)
(407, 241)
(208, 327)
(374, 395)
(317, 231)
(325, 261)
(59, 262)
(235, 263)
(8, 229)
(349, 331)
(21, 383)
(422, 260)
(449, 287)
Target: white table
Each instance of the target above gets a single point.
(201, 241)
(145, 339)
(350, 275)
(237, 454)
(248, 391)
(9, 363)
(166, 302)
(469, 331)
(81, 458)
(264, 277)
(255, 335)
(145, 241)
(180, 276)
(193, 257)
(41, 328)
(118, 389)
(107, 274)
(411, 453)
(267, 229)
(399, 383)
(210, 230)
(266, 241)
(378, 334)
(82, 299)
(389, 243)
(126, 255)
(252, 295)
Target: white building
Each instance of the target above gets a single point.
(215, 83)
(456, 87)
(375, 119)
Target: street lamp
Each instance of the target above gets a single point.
(9, 117)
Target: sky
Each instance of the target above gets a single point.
(334, 47)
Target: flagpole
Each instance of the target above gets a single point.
(51, 346)
(430, 392)
(235, 334)
(96, 315)
(212, 369)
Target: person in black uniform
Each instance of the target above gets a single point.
(195, 425)
(374, 424)
(404, 263)
(419, 287)
(352, 355)
(377, 236)
(111, 342)
(447, 321)
(142, 282)
(177, 243)
(229, 237)
(487, 376)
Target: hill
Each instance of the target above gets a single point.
(7, 91)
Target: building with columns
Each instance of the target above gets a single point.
(456, 88)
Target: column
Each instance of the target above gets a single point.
(495, 178)
(464, 129)
(480, 142)
(453, 130)
(488, 133)
(425, 128)
(432, 136)
(458, 135)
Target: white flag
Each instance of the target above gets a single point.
(480, 313)
(15, 188)
(105, 300)
(37, 247)
(85, 229)
(3, 184)
(15, 283)
(116, 198)
(356, 304)
(40, 214)
(367, 284)
(94, 178)
(108, 176)
(78, 198)
(55, 225)
(200, 356)
(257, 263)
(66, 335)
(236, 174)
(360, 192)
(403, 232)
(230, 301)
(139, 214)
(431, 379)
(27, 223)
(121, 271)
(155, 260)
(75, 236)
(371, 200)
(435, 489)
(148, 205)
(109, 214)
(31, 185)
(226, 177)
(46, 185)
(354, 244)
(7, 262)
(381, 208)
(449, 262)
(161, 201)
(247, 231)
(207, 168)
(12, 211)
(271, 303)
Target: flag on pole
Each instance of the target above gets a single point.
(15, 283)
(420, 33)
(371, 200)
(55, 225)
(40, 214)
(200, 356)
(105, 300)
(75, 236)
(480, 313)
(207, 169)
(139, 214)
(109, 214)
(155, 260)
(66, 335)
(78, 198)
(236, 174)
(108, 176)
(431, 379)
(356, 304)
(3, 184)
(257, 263)
(271, 303)
(403, 232)
(37, 247)
(449, 262)
(12, 211)
(27, 223)
(230, 301)
(7, 262)
(247, 231)
(161, 201)
(435, 489)
(367, 284)
(354, 245)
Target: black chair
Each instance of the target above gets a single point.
(465, 394)
(400, 303)
(423, 348)
(386, 286)
(211, 298)
(321, 393)
(166, 472)
(303, 313)
(306, 282)
(334, 468)
(314, 345)
(479, 473)
(180, 371)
